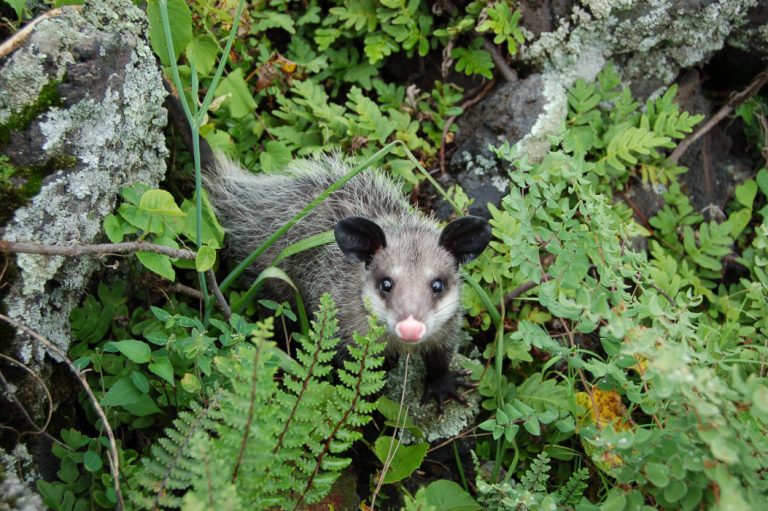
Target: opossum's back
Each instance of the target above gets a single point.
(253, 206)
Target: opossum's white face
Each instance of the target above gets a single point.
(411, 272)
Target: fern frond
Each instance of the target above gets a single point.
(360, 378)
(170, 467)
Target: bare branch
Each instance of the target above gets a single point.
(19, 37)
(99, 249)
(522, 288)
(223, 305)
(507, 72)
(753, 88)
(112, 456)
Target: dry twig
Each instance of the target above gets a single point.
(19, 37)
(112, 455)
(753, 88)
(98, 249)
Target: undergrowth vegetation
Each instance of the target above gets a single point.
(622, 378)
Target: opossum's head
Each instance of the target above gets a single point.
(411, 272)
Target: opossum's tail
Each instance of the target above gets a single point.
(179, 120)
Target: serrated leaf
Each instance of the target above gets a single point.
(275, 156)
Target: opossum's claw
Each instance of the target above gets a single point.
(447, 387)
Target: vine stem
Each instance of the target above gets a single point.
(112, 455)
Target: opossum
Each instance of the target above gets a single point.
(386, 252)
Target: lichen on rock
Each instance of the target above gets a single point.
(455, 418)
(108, 124)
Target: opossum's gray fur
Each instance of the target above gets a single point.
(253, 206)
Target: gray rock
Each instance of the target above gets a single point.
(105, 131)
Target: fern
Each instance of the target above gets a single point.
(473, 60)
(171, 467)
(263, 444)
(503, 21)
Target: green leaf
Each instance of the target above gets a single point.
(159, 202)
(162, 367)
(113, 228)
(275, 156)
(136, 351)
(212, 229)
(239, 102)
(406, 460)
(92, 461)
(658, 474)
(738, 221)
(202, 50)
(449, 496)
(158, 263)
(142, 407)
(532, 426)
(723, 450)
(180, 20)
(190, 383)
(122, 392)
(762, 181)
(473, 61)
(140, 381)
(18, 6)
(746, 192)
(206, 257)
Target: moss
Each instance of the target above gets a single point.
(48, 98)
(19, 184)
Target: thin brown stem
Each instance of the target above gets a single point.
(522, 288)
(507, 72)
(15, 41)
(112, 455)
(223, 305)
(448, 122)
(98, 249)
(584, 382)
(753, 88)
(40, 430)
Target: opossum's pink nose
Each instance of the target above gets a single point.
(410, 330)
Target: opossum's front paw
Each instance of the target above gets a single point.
(446, 387)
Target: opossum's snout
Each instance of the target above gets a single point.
(410, 329)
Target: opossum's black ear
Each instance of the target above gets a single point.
(466, 237)
(359, 237)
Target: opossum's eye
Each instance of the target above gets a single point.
(386, 285)
(438, 286)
